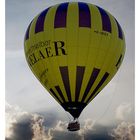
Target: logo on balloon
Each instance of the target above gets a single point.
(45, 49)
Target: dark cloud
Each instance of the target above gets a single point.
(100, 136)
(22, 131)
(99, 132)
(36, 130)
(65, 136)
(51, 118)
(50, 126)
(8, 139)
(92, 132)
(21, 125)
(87, 132)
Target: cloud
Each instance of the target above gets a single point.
(89, 124)
(14, 115)
(60, 132)
(123, 111)
(28, 126)
(22, 125)
(23, 130)
(92, 130)
(37, 128)
(88, 131)
(124, 131)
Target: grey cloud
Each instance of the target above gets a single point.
(98, 136)
(37, 128)
(22, 131)
(50, 118)
(124, 131)
(124, 111)
(32, 126)
(96, 132)
(21, 125)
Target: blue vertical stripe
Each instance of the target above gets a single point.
(106, 24)
(120, 34)
(65, 77)
(60, 93)
(79, 78)
(98, 86)
(61, 16)
(84, 15)
(52, 92)
(40, 21)
(27, 32)
(91, 81)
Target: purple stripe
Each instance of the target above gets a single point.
(60, 93)
(84, 15)
(91, 81)
(79, 78)
(119, 61)
(27, 32)
(120, 34)
(55, 95)
(65, 77)
(106, 24)
(61, 16)
(98, 86)
(40, 21)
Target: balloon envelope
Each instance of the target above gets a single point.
(74, 49)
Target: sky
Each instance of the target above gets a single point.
(30, 107)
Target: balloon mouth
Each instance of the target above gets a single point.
(74, 108)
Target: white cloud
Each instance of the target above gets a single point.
(61, 129)
(89, 124)
(19, 122)
(38, 128)
(12, 116)
(124, 131)
(31, 126)
(123, 111)
(61, 126)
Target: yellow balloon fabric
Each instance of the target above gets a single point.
(74, 49)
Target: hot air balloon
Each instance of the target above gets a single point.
(74, 49)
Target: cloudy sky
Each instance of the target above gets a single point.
(31, 113)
